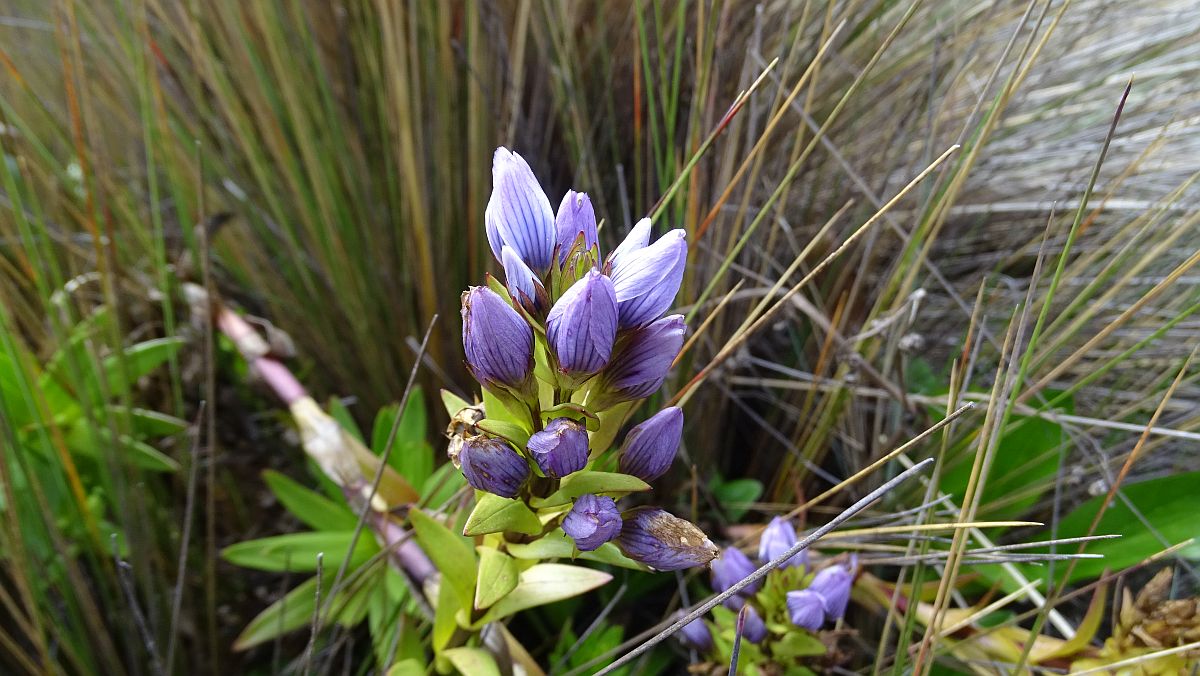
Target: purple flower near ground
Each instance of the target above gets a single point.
(663, 541)
(695, 634)
(497, 341)
(518, 213)
(575, 217)
(647, 279)
(778, 537)
(754, 630)
(806, 608)
(833, 585)
(650, 447)
(560, 448)
(640, 362)
(492, 465)
(582, 325)
(730, 569)
(592, 521)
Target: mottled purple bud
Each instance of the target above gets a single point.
(806, 608)
(637, 238)
(497, 341)
(640, 362)
(833, 585)
(518, 213)
(592, 521)
(650, 447)
(731, 568)
(575, 217)
(523, 285)
(695, 634)
(493, 466)
(582, 326)
(560, 448)
(647, 280)
(754, 630)
(663, 541)
(779, 537)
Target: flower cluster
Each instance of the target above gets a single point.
(559, 346)
(791, 594)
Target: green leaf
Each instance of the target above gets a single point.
(140, 360)
(1024, 468)
(295, 610)
(453, 403)
(610, 424)
(444, 624)
(588, 481)
(309, 506)
(411, 454)
(472, 661)
(736, 496)
(1168, 505)
(298, 551)
(494, 514)
(442, 485)
(451, 554)
(546, 583)
(795, 644)
(556, 545)
(497, 577)
(91, 441)
(514, 433)
(409, 667)
(148, 423)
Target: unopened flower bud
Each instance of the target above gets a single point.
(833, 584)
(695, 634)
(646, 280)
(518, 213)
(731, 568)
(637, 238)
(523, 285)
(575, 217)
(592, 521)
(754, 630)
(560, 448)
(497, 341)
(663, 541)
(806, 609)
(493, 466)
(650, 447)
(779, 537)
(582, 326)
(640, 362)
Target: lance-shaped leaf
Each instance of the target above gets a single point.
(557, 545)
(309, 506)
(588, 481)
(452, 555)
(474, 661)
(497, 577)
(494, 514)
(299, 551)
(546, 583)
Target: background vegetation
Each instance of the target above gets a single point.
(338, 156)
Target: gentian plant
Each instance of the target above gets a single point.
(789, 613)
(565, 348)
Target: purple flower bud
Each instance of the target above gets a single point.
(730, 569)
(695, 634)
(664, 542)
(592, 521)
(523, 285)
(575, 217)
(582, 325)
(647, 279)
(560, 448)
(637, 238)
(779, 537)
(497, 341)
(493, 466)
(650, 447)
(806, 609)
(640, 362)
(754, 630)
(518, 213)
(833, 585)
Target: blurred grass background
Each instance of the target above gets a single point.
(344, 147)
